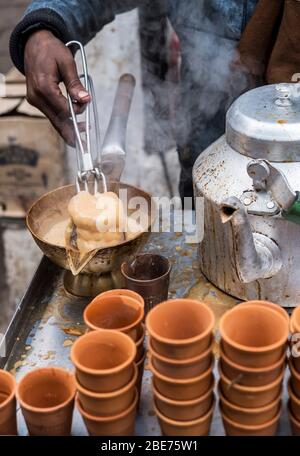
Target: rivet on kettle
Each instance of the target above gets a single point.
(270, 205)
(247, 201)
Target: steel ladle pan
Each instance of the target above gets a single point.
(102, 272)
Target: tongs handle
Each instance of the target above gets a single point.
(85, 160)
(83, 148)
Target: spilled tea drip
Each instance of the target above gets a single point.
(96, 221)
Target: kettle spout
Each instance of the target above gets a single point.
(256, 256)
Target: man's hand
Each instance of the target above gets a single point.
(47, 63)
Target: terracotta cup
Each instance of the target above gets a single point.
(108, 404)
(46, 396)
(198, 427)
(140, 349)
(251, 376)
(122, 424)
(184, 410)
(253, 335)
(249, 416)
(295, 351)
(295, 424)
(295, 340)
(104, 360)
(250, 397)
(295, 320)
(295, 379)
(140, 366)
(124, 292)
(120, 313)
(182, 368)
(294, 402)
(8, 421)
(149, 275)
(232, 428)
(269, 305)
(180, 328)
(182, 389)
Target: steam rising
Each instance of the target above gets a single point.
(211, 79)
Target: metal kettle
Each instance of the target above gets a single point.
(249, 180)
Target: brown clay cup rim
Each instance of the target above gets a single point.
(252, 370)
(180, 342)
(103, 372)
(183, 381)
(247, 409)
(11, 378)
(291, 415)
(199, 420)
(292, 395)
(111, 394)
(142, 360)
(42, 410)
(146, 281)
(180, 362)
(268, 305)
(96, 302)
(293, 320)
(107, 419)
(124, 292)
(252, 389)
(251, 349)
(183, 403)
(294, 372)
(253, 427)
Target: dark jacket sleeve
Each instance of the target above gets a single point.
(67, 19)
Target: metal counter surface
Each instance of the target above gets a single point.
(48, 321)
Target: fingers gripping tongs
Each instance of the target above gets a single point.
(87, 170)
(111, 161)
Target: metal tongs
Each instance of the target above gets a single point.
(86, 168)
(110, 161)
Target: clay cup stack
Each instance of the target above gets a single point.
(120, 310)
(106, 377)
(294, 382)
(8, 421)
(181, 360)
(252, 363)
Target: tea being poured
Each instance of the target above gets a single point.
(97, 220)
(100, 221)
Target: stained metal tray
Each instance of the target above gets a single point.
(48, 321)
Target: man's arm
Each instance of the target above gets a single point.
(66, 19)
(38, 50)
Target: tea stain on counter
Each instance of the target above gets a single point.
(49, 355)
(68, 343)
(16, 366)
(73, 331)
(218, 301)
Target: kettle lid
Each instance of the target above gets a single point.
(265, 123)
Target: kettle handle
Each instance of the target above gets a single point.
(268, 178)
